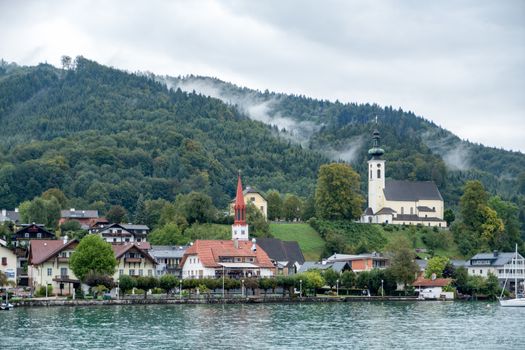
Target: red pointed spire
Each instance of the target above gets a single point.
(240, 207)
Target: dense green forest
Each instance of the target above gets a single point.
(416, 148)
(104, 137)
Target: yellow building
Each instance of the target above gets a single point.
(254, 197)
(399, 201)
(49, 263)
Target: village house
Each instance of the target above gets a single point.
(361, 262)
(8, 262)
(168, 259)
(499, 264)
(399, 201)
(10, 216)
(21, 243)
(254, 197)
(49, 265)
(121, 233)
(133, 259)
(432, 288)
(86, 218)
(236, 258)
(286, 256)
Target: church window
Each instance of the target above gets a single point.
(379, 165)
(370, 174)
(411, 210)
(378, 173)
(402, 210)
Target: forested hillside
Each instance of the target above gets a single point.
(104, 136)
(415, 147)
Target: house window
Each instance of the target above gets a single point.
(252, 199)
(120, 272)
(39, 235)
(262, 208)
(26, 235)
(481, 272)
(49, 271)
(150, 272)
(4, 261)
(141, 272)
(63, 271)
(131, 272)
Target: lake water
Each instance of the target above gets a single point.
(355, 325)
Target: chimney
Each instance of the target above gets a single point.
(496, 253)
(236, 243)
(65, 239)
(254, 247)
(16, 210)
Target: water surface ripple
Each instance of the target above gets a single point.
(402, 325)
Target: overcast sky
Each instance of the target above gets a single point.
(460, 64)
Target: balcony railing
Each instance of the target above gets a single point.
(21, 272)
(132, 260)
(63, 259)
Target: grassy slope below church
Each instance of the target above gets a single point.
(323, 238)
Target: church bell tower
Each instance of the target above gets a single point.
(239, 227)
(376, 175)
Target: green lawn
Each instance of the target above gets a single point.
(309, 240)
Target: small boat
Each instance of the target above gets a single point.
(6, 305)
(517, 264)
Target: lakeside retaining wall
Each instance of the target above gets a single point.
(154, 301)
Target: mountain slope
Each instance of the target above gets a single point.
(104, 135)
(415, 147)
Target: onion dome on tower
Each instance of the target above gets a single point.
(376, 152)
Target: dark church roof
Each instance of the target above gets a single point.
(399, 190)
(279, 250)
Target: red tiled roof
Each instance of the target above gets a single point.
(41, 250)
(427, 282)
(209, 252)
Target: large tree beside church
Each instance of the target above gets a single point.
(337, 193)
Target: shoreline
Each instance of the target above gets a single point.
(201, 301)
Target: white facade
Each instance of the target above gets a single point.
(240, 232)
(193, 268)
(376, 184)
(8, 263)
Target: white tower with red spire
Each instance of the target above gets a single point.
(239, 227)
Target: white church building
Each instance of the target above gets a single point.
(399, 201)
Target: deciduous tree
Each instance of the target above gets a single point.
(93, 254)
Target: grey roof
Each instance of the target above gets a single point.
(369, 211)
(278, 250)
(426, 209)
(414, 217)
(458, 263)
(338, 266)
(350, 257)
(167, 251)
(495, 259)
(386, 211)
(401, 190)
(134, 227)
(10, 215)
(422, 264)
(79, 213)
